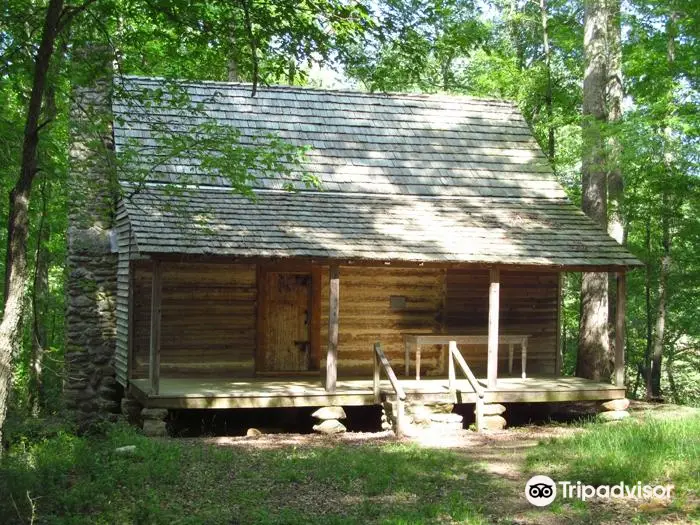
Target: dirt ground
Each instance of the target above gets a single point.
(502, 454)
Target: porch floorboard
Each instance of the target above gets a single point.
(304, 391)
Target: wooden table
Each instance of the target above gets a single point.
(414, 342)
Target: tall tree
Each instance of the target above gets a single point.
(16, 278)
(594, 358)
(657, 344)
(657, 347)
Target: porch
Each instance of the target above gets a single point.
(300, 391)
(218, 335)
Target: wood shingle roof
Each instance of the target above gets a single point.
(403, 177)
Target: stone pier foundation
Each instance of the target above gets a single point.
(154, 424)
(614, 410)
(329, 420)
(131, 409)
(493, 417)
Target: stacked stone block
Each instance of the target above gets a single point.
(421, 417)
(329, 420)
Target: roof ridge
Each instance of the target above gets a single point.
(329, 91)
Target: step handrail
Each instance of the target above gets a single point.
(381, 361)
(455, 355)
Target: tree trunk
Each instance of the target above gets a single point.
(657, 347)
(594, 359)
(291, 71)
(637, 378)
(562, 320)
(18, 220)
(647, 309)
(616, 222)
(615, 93)
(564, 335)
(252, 42)
(594, 175)
(548, 69)
(671, 380)
(233, 70)
(40, 307)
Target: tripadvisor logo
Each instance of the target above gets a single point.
(542, 490)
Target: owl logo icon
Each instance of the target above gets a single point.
(540, 491)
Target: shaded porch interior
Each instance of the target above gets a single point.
(216, 318)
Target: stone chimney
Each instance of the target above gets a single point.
(90, 388)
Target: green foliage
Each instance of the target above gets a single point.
(660, 135)
(570, 310)
(21, 432)
(20, 22)
(421, 45)
(207, 40)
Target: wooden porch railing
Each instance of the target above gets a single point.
(455, 355)
(381, 361)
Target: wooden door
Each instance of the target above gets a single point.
(288, 318)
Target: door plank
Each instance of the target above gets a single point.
(288, 317)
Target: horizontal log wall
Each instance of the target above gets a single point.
(208, 319)
(528, 306)
(366, 316)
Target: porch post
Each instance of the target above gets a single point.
(333, 310)
(494, 293)
(620, 329)
(559, 356)
(154, 354)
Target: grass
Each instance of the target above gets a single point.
(651, 450)
(65, 479)
(74, 480)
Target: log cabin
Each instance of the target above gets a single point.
(427, 263)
